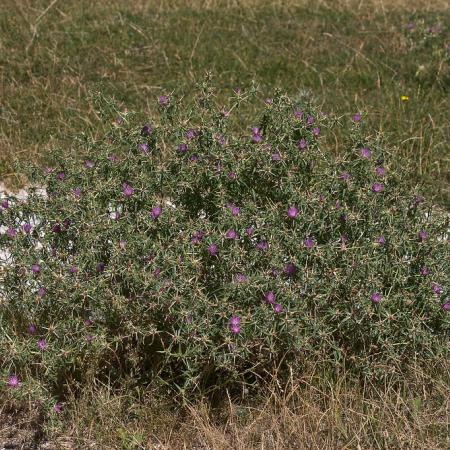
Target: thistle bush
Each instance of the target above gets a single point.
(195, 251)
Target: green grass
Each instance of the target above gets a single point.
(350, 59)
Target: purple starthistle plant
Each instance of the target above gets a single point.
(41, 292)
(240, 278)
(231, 234)
(235, 210)
(127, 190)
(197, 237)
(5, 204)
(268, 101)
(13, 381)
(256, 135)
(73, 269)
(27, 228)
(436, 288)
(156, 212)
(57, 407)
(302, 144)
(213, 250)
(35, 268)
(377, 187)
(100, 267)
(276, 157)
(11, 232)
(113, 158)
(356, 117)
(344, 176)
(42, 344)
(144, 148)
(32, 328)
(310, 120)
(446, 306)
(249, 231)
(235, 324)
(262, 245)
(292, 212)
(422, 235)
(182, 148)
(290, 269)
(77, 193)
(365, 153)
(376, 297)
(316, 131)
(298, 114)
(269, 297)
(146, 130)
(191, 134)
(163, 100)
(232, 175)
(424, 271)
(308, 242)
(380, 171)
(89, 164)
(61, 176)
(381, 240)
(277, 308)
(56, 228)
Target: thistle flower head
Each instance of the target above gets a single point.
(292, 212)
(376, 297)
(127, 190)
(156, 212)
(269, 297)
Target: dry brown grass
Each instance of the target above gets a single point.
(314, 412)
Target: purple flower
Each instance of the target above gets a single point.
(424, 271)
(100, 267)
(57, 408)
(73, 269)
(89, 338)
(290, 269)
(56, 228)
(262, 245)
(89, 164)
(437, 289)
(113, 158)
(381, 240)
(276, 157)
(127, 190)
(35, 268)
(241, 278)
(163, 100)
(146, 130)
(42, 344)
(48, 170)
(310, 120)
(194, 158)
(298, 114)
(27, 227)
(5, 204)
(344, 176)
(119, 121)
(302, 144)
(422, 235)
(365, 153)
(197, 237)
(309, 242)
(380, 171)
(13, 381)
(77, 193)
(269, 297)
(11, 232)
(277, 308)
(316, 131)
(144, 148)
(232, 175)
(446, 306)
(88, 322)
(182, 148)
(41, 292)
(220, 139)
(231, 234)
(376, 297)
(249, 231)
(377, 187)
(237, 91)
(235, 210)
(235, 324)
(292, 212)
(274, 272)
(418, 199)
(191, 134)
(268, 101)
(61, 176)
(257, 137)
(156, 212)
(356, 117)
(213, 250)
(32, 328)
(66, 223)
(157, 272)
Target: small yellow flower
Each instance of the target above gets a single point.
(404, 98)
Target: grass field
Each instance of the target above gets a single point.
(351, 56)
